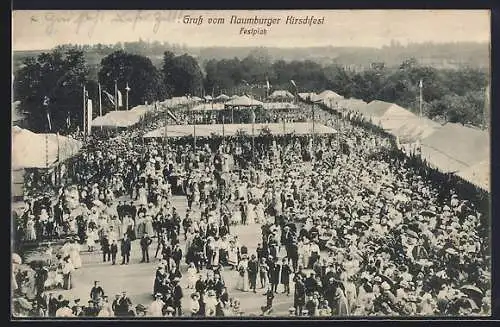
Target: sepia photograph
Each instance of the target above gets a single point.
(209, 164)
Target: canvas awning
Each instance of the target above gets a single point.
(243, 101)
(31, 150)
(478, 174)
(281, 94)
(232, 129)
(455, 148)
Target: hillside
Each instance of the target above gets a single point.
(449, 56)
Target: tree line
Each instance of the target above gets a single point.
(449, 95)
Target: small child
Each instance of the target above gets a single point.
(191, 275)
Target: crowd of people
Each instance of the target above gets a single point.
(350, 226)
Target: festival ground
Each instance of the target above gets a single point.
(137, 278)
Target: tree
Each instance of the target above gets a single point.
(139, 72)
(185, 75)
(167, 68)
(58, 75)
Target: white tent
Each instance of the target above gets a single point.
(281, 94)
(244, 101)
(478, 174)
(327, 94)
(31, 150)
(222, 97)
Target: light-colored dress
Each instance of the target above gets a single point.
(148, 226)
(143, 198)
(251, 214)
(243, 276)
(30, 230)
(74, 254)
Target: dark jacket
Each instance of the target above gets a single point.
(146, 242)
(125, 246)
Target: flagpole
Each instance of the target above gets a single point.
(420, 86)
(84, 113)
(116, 96)
(126, 99)
(100, 101)
(253, 133)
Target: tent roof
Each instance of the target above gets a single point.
(416, 128)
(305, 95)
(459, 147)
(232, 129)
(222, 97)
(350, 104)
(395, 117)
(326, 94)
(279, 105)
(244, 101)
(281, 94)
(15, 114)
(31, 150)
(478, 174)
(208, 97)
(376, 108)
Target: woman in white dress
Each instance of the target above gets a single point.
(143, 197)
(91, 239)
(74, 253)
(243, 284)
(30, 229)
(250, 214)
(236, 217)
(259, 213)
(148, 225)
(232, 255)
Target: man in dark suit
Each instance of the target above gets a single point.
(274, 275)
(113, 249)
(253, 270)
(293, 254)
(105, 247)
(120, 209)
(177, 254)
(286, 271)
(96, 292)
(145, 243)
(132, 210)
(177, 297)
(124, 305)
(125, 249)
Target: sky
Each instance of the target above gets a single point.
(41, 30)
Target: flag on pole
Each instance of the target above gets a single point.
(171, 115)
(110, 97)
(89, 115)
(420, 84)
(127, 88)
(267, 83)
(252, 116)
(293, 82)
(120, 103)
(68, 121)
(45, 103)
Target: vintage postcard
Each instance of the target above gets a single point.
(284, 163)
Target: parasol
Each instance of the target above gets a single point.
(471, 290)
(16, 258)
(411, 233)
(361, 223)
(23, 303)
(427, 213)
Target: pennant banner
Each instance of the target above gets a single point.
(120, 103)
(89, 116)
(171, 115)
(110, 97)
